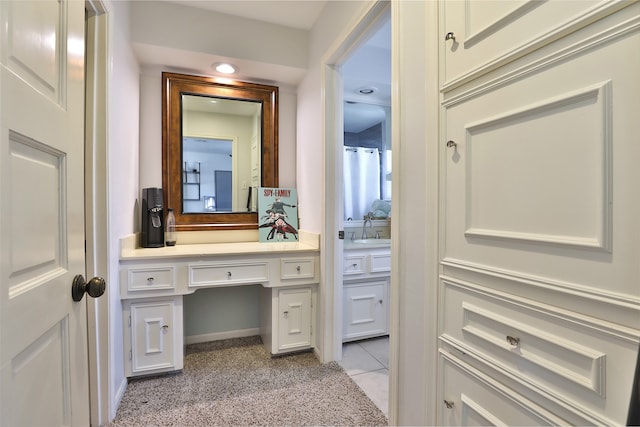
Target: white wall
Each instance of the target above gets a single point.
(165, 24)
(122, 178)
(335, 17)
(151, 130)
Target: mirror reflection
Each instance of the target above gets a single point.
(220, 154)
(208, 186)
(367, 161)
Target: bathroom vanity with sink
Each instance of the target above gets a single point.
(153, 282)
(366, 274)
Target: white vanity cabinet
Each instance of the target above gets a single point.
(287, 319)
(153, 335)
(153, 282)
(366, 273)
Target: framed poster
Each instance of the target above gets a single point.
(277, 214)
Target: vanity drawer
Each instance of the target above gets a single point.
(227, 273)
(380, 263)
(149, 278)
(354, 264)
(297, 268)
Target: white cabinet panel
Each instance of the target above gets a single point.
(380, 263)
(228, 273)
(508, 185)
(571, 358)
(472, 398)
(365, 293)
(539, 316)
(150, 278)
(154, 336)
(297, 268)
(354, 264)
(491, 34)
(517, 144)
(294, 318)
(366, 309)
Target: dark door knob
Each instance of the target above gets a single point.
(95, 288)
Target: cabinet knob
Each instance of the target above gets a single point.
(448, 403)
(380, 301)
(150, 280)
(165, 327)
(451, 144)
(514, 341)
(285, 314)
(228, 275)
(450, 36)
(298, 269)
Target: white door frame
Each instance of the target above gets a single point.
(331, 78)
(96, 224)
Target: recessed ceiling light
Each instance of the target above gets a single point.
(366, 90)
(225, 68)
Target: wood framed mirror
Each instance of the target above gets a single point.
(219, 144)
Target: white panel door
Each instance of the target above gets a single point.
(540, 211)
(43, 332)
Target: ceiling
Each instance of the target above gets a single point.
(368, 67)
(300, 14)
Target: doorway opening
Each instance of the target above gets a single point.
(359, 152)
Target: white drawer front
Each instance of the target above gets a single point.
(226, 273)
(297, 268)
(380, 263)
(469, 397)
(354, 264)
(150, 278)
(566, 355)
(485, 34)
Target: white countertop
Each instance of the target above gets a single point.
(366, 244)
(309, 242)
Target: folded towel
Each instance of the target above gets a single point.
(380, 208)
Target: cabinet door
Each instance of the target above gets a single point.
(152, 336)
(365, 310)
(294, 318)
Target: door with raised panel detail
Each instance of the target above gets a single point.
(365, 309)
(540, 232)
(43, 332)
(294, 321)
(153, 337)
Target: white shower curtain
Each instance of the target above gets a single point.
(361, 180)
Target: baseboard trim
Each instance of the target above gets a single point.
(118, 398)
(217, 336)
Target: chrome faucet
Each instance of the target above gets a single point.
(367, 218)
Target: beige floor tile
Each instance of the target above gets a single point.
(379, 349)
(367, 363)
(356, 360)
(375, 384)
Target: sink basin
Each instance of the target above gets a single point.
(369, 242)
